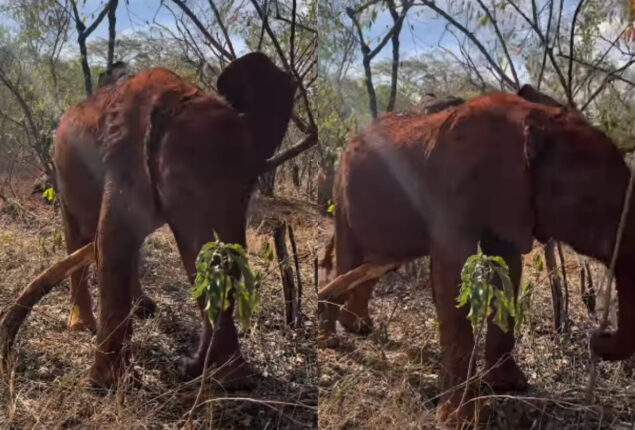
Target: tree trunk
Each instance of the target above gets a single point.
(587, 291)
(267, 183)
(112, 20)
(298, 277)
(556, 285)
(286, 274)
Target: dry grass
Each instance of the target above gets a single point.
(44, 389)
(390, 379)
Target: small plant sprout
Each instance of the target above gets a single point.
(49, 194)
(477, 289)
(221, 268)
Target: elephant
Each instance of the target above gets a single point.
(355, 317)
(154, 149)
(498, 170)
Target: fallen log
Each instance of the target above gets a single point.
(15, 315)
(353, 278)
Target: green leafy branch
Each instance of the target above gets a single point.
(483, 297)
(220, 269)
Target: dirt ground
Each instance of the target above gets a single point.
(44, 391)
(390, 378)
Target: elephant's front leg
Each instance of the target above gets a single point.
(122, 227)
(219, 347)
(457, 342)
(503, 374)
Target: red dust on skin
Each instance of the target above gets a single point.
(153, 149)
(499, 170)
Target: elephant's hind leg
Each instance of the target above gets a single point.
(81, 315)
(503, 374)
(354, 315)
(144, 306)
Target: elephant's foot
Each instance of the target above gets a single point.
(506, 376)
(81, 321)
(233, 374)
(144, 307)
(327, 339)
(355, 324)
(107, 370)
(452, 415)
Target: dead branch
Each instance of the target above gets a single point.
(298, 276)
(15, 315)
(288, 154)
(286, 274)
(208, 36)
(556, 285)
(506, 80)
(565, 286)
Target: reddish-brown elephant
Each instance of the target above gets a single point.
(154, 149)
(354, 315)
(498, 170)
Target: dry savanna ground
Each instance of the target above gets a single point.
(43, 389)
(390, 378)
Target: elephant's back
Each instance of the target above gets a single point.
(382, 194)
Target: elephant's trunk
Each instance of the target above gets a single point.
(620, 344)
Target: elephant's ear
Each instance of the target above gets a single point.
(253, 84)
(530, 94)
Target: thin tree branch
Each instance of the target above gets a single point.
(571, 40)
(502, 41)
(306, 143)
(208, 36)
(505, 79)
(552, 59)
(219, 21)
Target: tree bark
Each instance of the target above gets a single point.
(556, 285)
(286, 274)
(112, 20)
(298, 277)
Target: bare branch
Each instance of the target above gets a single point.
(208, 36)
(571, 40)
(220, 23)
(306, 143)
(544, 40)
(505, 79)
(502, 41)
(606, 80)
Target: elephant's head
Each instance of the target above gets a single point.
(579, 180)
(255, 87)
(111, 76)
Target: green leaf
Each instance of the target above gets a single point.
(479, 292)
(49, 194)
(221, 270)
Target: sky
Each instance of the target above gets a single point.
(425, 31)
